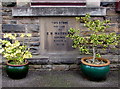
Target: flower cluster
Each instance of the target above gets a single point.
(13, 50)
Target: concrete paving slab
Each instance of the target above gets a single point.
(38, 78)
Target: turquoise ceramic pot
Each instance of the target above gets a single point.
(17, 71)
(95, 72)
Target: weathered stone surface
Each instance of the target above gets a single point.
(60, 67)
(35, 35)
(111, 11)
(112, 58)
(35, 66)
(74, 67)
(113, 18)
(114, 51)
(63, 61)
(113, 27)
(6, 11)
(28, 20)
(39, 61)
(35, 44)
(23, 3)
(35, 39)
(8, 4)
(61, 11)
(9, 22)
(102, 51)
(109, 51)
(33, 28)
(108, 1)
(7, 18)
(13, 28)
(34, 50)
(93, 3)
(47, 66)
(13, 22)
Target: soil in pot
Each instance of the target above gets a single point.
(97, 62)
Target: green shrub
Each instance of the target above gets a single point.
(13, 50)
(97, 36)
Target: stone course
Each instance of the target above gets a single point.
(10, 28)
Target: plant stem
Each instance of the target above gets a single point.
(94, 54)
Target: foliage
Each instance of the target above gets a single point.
(97, 36)
(14, 50)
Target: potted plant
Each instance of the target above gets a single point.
(94, 67)
(16, 53)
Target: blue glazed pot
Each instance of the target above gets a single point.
(95, 72)
(17, 71)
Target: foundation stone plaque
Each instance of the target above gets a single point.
(56, 31)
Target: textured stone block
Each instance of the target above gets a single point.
(6, 11)
(111, 11)
(61, 11)
(9, 22)
(35, 67)
(8, 4)
(34, 50)
(102, 51)
(28, 20)
(33, 28)
(114, 51)
(7, 18)
(113, 27)
(60, 67)
(63, 60)
(38, 61)
(74, 67)
(13, 28)
(93, 3)
(113, 19)
(35, 39)
(23, 3)
(35, 35)
(47, 66)
(35, 44)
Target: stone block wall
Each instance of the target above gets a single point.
(21, 25)
(10, 24)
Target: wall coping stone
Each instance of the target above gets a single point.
(58, 11)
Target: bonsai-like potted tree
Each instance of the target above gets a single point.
(16, 53)
(94, 67)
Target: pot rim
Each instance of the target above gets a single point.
(17, 65)
(95, 65)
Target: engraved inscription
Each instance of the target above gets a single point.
(56, 31)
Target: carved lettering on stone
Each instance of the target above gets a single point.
(56, 31)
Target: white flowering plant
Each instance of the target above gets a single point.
(13, 49)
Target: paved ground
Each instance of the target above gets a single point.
(59, 79)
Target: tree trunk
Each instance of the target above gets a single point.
(94, 54)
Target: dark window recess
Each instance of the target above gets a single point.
(58, 3)
(118, 6)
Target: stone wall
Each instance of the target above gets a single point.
(30, 24)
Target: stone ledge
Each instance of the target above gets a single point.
(58, 11)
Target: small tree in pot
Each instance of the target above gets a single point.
(16, 53)
(94, 67)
